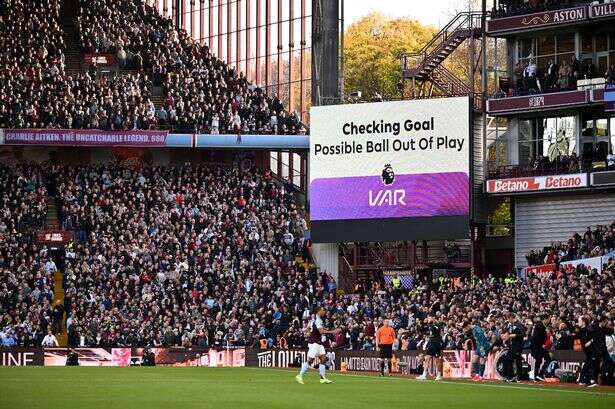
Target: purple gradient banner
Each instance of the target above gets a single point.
(367, 197)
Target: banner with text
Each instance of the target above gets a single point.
(537, 183)
(457, 363)
(210, 357)
(590, 262)
(84, 137)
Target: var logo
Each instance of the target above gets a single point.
(387, 197)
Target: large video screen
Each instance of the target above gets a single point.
(390, 171)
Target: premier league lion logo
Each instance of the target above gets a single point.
(388, 176)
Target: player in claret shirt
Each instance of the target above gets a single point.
(316, 350)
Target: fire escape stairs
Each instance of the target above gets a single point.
(426, 66)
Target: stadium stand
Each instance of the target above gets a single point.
(202, 255)
(597, 242)
(26, 273)
(199, 92)
(180, 256)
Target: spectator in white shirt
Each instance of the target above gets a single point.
(50, 266)
(50, 340)
(610, 161)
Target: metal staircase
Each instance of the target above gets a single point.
(425, 66)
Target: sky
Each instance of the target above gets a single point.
(434, 12)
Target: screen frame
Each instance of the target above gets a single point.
(402, 228)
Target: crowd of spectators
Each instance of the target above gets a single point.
(530, 78)
(203, 255)
(565, 297)
(193, 255)
(593, 243)
(543, 165)
(26, 272)
(202, 93)
(81, 101)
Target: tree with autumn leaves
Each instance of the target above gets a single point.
(373, 47)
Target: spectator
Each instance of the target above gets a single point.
(50, 340)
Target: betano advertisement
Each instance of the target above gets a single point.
(390, 171)
(537, 183)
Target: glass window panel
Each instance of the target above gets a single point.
(545, 45)
(602, 138)
(586, 43)
(543, 62)
(602, 128)
(601, 42)
(565, 43)
(525, 47)
(612, 132)
(563, 58)
(588, 127)
(525, 152)
(526, 144)
(558, 137)
(602, 65)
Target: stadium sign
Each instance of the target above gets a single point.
(54, 237)
(602, 10)
(537, 183)
(280, 358)
(84, 137)
(98, 59)
(21, 357)
(210, 357)
(537, 20)
(390, 171)
(527, 103)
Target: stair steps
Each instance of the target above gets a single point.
(52, 216)
(52, 223)
(73, 58)
(426, 65)
(58, 294)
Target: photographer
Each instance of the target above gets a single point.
(148, 358)
(72, 359)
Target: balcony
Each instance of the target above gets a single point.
(524, 98)
(564, 166)
(542, 176)
(514, 16)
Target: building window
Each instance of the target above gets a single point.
(558, 137)
(547, 140)
(548, 58)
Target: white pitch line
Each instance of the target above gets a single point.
(460, 383)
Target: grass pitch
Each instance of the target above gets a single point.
(230, 388)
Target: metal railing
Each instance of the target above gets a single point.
(552, 168)
(462, 24)
(510, 8)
